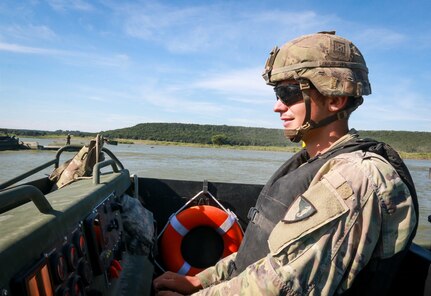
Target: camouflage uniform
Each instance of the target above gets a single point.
(355, 209)
(139, 228)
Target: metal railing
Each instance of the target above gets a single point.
(115, 165)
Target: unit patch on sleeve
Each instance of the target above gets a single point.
(300, 209)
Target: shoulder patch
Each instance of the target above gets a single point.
(300, 209)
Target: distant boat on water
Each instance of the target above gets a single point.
(11, 143)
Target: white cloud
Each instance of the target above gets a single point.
(381, 38)
(395, 104)
(73, 57)
(245, 85)
(171, 99)
(295, 22)
(64, 5)
(28, 32)
(151, 20)
(208, 27)
(16, 48)
(179, 29)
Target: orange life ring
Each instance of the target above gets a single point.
(179, 225)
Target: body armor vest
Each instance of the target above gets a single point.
(289, 181)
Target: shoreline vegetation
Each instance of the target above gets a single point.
(410, 145)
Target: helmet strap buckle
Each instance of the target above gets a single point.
(305, 127)
(297, 134)
(304, 84)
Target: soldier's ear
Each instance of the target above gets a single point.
(336, 103)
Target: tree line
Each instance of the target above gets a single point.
(406, 141)
(202, 134)
(39, 133)
(250, 136)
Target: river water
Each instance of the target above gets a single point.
(212, 164)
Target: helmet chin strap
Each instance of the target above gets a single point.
(296, 135)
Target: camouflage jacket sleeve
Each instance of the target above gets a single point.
(216, 273)
(356, 208)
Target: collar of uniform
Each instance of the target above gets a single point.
(352, 133)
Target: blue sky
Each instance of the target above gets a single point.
(100, 65)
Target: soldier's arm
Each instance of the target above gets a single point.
(216, 273)
(360, 203)
(172, 281)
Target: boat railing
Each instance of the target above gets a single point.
(114, 162)
(102, 164)
(18, 195)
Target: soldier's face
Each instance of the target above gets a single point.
(292, 111)
(291, 115)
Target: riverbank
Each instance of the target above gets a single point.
(291, 149)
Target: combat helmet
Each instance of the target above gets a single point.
(331, 64)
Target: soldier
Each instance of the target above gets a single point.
(338, 217)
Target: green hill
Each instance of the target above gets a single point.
(412, 142)
(417, 142)
(202, 134)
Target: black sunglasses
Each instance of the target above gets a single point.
(288, 94)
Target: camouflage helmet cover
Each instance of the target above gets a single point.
(334, 65)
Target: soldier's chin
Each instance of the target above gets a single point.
(291, 135)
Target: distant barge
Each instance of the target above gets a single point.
(11, 143)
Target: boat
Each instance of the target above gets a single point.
(10, 143)
(73, 240)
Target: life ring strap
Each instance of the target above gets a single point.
(184, 269)
(226, 225)
(176, 224)
(221, 230)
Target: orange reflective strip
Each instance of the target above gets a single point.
(33, 290)
(46, 281)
